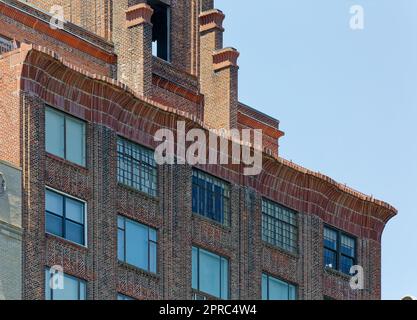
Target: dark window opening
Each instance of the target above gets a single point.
(7, 44)
(339, 250)
(161, 21)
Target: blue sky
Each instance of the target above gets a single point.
(346, 99)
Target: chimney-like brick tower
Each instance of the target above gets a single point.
(218, 72)
(132, 36)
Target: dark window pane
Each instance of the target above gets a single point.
(330, 259)
(330, 238)
(136, 167)
(279, 226)
(74, 232)
(345, 264)
(210, 197)
(347, 246)
(54, 225)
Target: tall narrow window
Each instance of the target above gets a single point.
(339, 250)
(279, 226)
(65, 136)
(65, 217)
(211, 197)
(136, 167)
(161, 21)
(210, 273)
(275, 289)
(137, 244)
(67, 288)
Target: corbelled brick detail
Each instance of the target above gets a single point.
(148, 94)
(211, 19)
(218, 73)
(225, 58)
(138, 14)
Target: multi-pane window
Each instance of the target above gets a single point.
(339, 250)
(211, 197)
(65, 136)
(64, 287)
(136, 167)
(65, 217)
(210, 273)
(279, 226)
(137, 244)
(275, 289)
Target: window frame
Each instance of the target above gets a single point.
(338, 251)
(168, 22)
(65, 116)
(79, 282)
(198, 291)
(65, 195)
(277, 220)
(289, 284)
(226, 199)
(149, 245)
(141, 164)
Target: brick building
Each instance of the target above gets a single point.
(79, 107)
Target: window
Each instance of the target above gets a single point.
(275, 289)
(136, 167)
(65, 136)
(66, 288)
(279, 226)
(211, 197)
(339, 250)
(137, 244)
(65, 217)
(7, 44)
(123, 297)
(161, 21)
(210, 273)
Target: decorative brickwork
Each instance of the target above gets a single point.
(127, 92)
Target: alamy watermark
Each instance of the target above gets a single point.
(357, 20)
(210, 147)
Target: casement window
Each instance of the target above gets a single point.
(275, 289)
(161, 29)
(65, 217)
(136, 167)
(210, 274)
(123, 297)
(64, 287)
(211, 197)
(137, 244)
(279, 226)
(65, 136)
(339, 250)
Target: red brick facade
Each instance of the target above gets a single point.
(110, 80)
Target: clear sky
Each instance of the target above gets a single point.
(346, 99)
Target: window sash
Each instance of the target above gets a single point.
(279, 226)
(151, 253)
(223, 273)
(136, 167)
(64, 219)
(340, 255)
(58, 138)
(81, 286)
(210, 197)
(291, 293)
